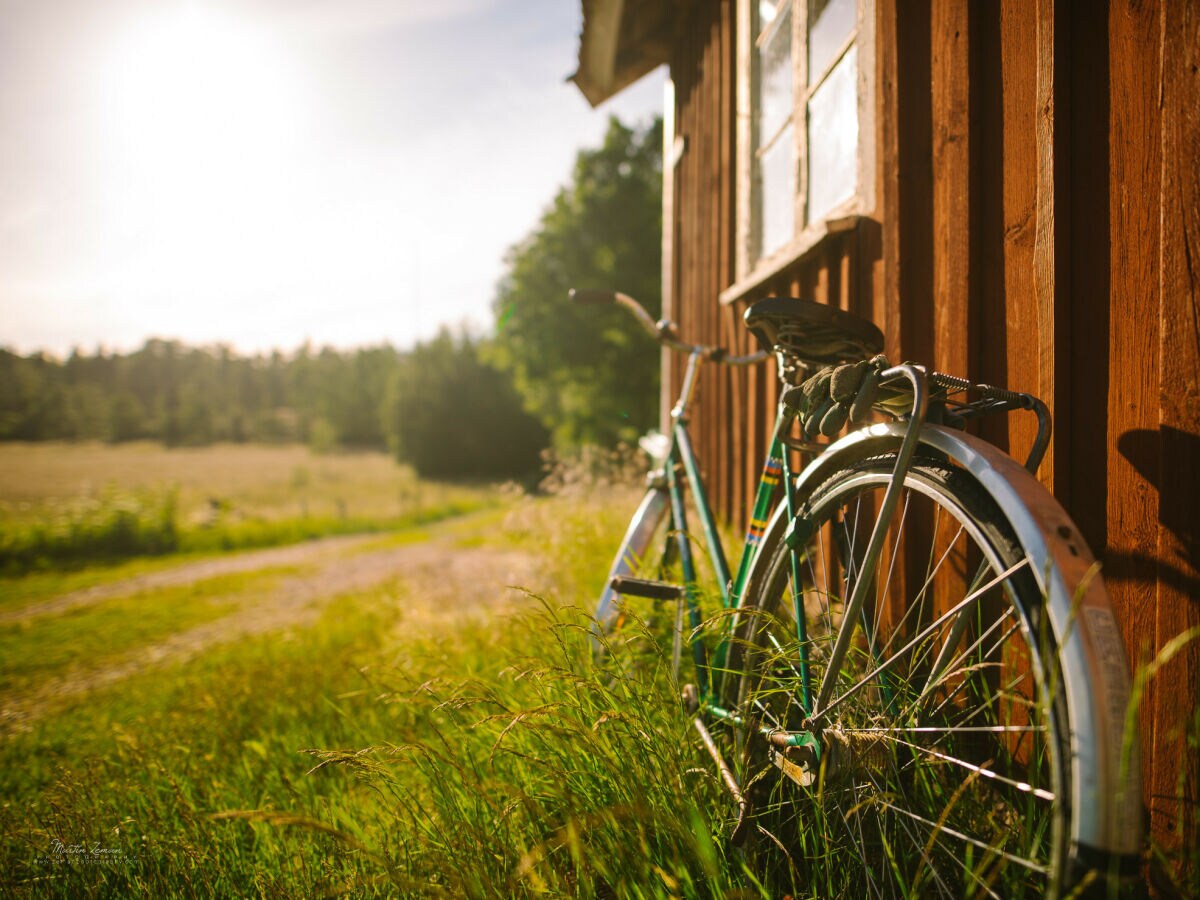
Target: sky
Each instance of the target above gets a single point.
(262, 173)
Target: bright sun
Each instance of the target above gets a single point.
(200, 113)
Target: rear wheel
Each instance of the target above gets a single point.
(935, 765)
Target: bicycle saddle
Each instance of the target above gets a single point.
(812, 331)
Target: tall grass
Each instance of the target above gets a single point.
(395, 748)
(133, 775)
(118, 526)
(115, 525)
(1174, 864)
(72, 505)
(541, 776)
(468, 768)
(398, 747)
(90, 636)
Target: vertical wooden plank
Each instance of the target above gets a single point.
(704, 431)
(691, 211)
(957, 231)
(716, 416)
(728, 148)
(1081, 460)
(868, 299)
(669, 162)
(1135, 183)
(1051, 272)
(887, 177)
(755, 423)
(847, 283)
(716, 333)
(1010, 331)
(1174, 790)
(683, 73)
(737, 462)
(953, 223)
(744, 49)
(1002, 197)
(820, 283)
(908, 178)
(722, 225)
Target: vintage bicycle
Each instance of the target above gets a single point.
(915, 665)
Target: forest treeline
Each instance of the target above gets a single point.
(182, 395)
(367, 398)
(455, 405)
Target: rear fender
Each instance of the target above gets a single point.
(1106, 788)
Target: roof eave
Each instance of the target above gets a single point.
(619, 44)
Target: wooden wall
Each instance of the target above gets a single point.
(1037, 224)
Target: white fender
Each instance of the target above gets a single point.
(1107, 795)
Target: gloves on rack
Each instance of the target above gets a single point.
(838, 394)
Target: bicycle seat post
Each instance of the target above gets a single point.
(679, 413)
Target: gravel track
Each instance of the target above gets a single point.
(437, 573)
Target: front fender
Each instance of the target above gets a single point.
(650, 514)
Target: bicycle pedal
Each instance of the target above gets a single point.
(641, 587)
(803, 775)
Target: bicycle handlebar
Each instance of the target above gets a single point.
(663, 330)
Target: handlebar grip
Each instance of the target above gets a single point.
(591, 297)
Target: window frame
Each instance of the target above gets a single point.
(750, 269)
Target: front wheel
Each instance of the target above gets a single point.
(646, 552)
(932, 761)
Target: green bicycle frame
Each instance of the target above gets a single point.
(776, 472)
(681, 458)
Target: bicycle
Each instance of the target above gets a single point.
(914, 670)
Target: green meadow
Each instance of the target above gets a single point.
(431, 734)
(409, 711)
(66, 505)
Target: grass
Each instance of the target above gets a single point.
(44, 646)
(23, 590)
(71, 504)
(399, 746)
(389, 749)
(251, 480)
(140, 770)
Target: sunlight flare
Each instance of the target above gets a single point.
(202, 116)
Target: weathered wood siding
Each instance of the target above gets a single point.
(1037, 224)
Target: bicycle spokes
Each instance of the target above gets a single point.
(931, 753)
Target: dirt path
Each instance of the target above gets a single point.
(437, 572)
(309, 552)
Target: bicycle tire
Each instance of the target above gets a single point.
(944, 762)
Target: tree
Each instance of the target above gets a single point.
(354, 393)
(127, 418)
(451, 414)
(587, 373)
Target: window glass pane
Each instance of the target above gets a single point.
(777, 194)
(833, 138)
(829, 25)
(775, 96)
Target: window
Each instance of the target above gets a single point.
(774, 162)
(802, 102)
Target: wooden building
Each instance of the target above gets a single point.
(1011, 191)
